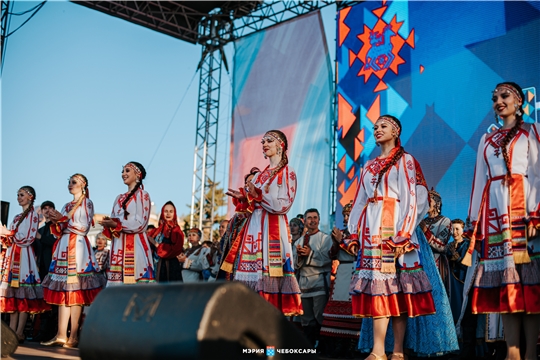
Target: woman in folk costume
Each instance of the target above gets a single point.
(74, 279)
(505, 212)
(235, 224)
(263, 247)
(437, 229)
(20, 289)
(169, 241)
(131, 257)
(391, 200)
(341, 328)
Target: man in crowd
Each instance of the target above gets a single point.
(313, 266)
(43, 248)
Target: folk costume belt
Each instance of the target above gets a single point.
(275, 262)
(72, 259)
(16, 266)
(129, 259)
(516, 211)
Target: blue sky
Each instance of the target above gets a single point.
(86, 92)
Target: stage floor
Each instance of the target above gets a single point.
(35, 351)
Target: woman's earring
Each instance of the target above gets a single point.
(518, 111)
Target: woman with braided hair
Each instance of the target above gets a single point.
(261, 255)
(20, 289)
(505, 215)
(74, 279)
(131, 256)
(389, 281)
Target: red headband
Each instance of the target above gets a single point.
(135, 168)
(80, 178)
(275, 136)
(392, 122)
(510, 88)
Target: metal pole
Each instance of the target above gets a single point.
(193, 187)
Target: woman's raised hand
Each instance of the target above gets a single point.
(55, 216)
(234, 193)
(107, 222)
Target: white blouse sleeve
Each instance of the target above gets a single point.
(139, 213)
(26, 233)
(408, 207)
(479, 181)
(82, 218)
(360, 200)
(280, 198)
(533, 174)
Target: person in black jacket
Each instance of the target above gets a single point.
(46, 240)
(43, 248)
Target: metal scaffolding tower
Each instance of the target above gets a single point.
(214, 32)
(4, 30)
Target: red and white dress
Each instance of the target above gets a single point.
(74, 277)
(20, 287)
(131, 256)
(379, 287)
(508, 277)
(262, 256)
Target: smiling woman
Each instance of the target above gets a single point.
(505, 212)
(168, 240)
(131, 256)
(261, 254)
(74, 279)
(392, 184)
(20, 289)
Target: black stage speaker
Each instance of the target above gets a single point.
(217, 320)
(10, 342)
(4, 212)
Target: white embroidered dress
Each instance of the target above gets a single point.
(381, 225)
(508, 277)
(78, 282)
(131, 256)
(20, 289)
(266, 263)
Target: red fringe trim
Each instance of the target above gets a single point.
(364, 305)
(32, 306)
(512, 298)
(70, 298)
(288, 304)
